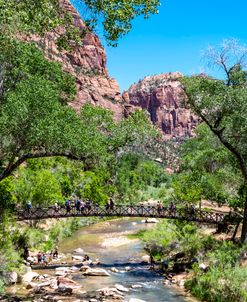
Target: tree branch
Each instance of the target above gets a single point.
(229, 146)
(14, 165)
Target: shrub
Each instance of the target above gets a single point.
(219, 286)
(1, 287)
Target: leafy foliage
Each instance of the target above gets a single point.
(134, 174)
(167, 239)
(117, 15)
(222, 105)
(36, 122)
(42, 16)
(207, 171)
(225, 279)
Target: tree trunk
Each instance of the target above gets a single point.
(244, 227)
(235, 231)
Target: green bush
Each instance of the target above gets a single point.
(225, 280)
(218, 285)
(1, 287)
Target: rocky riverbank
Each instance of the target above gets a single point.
(122, 272)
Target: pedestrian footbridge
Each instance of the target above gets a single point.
(197, 215)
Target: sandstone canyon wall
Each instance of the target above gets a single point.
(163, 97)
(87, 63)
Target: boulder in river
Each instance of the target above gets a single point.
(40, 285)
(53, 283)
(111, 292)
(66, 282)
(32, 285)
(84, 268)
(78, 258)
(74, 269)
(146, 258)
(95, 272)
(121, 288)
(114, 270)
(64, 290)
(10, 278)
(28, 277)
(62, 271)
(136, 286)
(79, 251)
(151, 220)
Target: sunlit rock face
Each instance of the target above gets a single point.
(87, 63)
(163, 97)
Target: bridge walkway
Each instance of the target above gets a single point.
(197, 215)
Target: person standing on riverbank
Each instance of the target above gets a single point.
(55, 253)
(152, 262)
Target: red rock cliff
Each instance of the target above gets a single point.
(162, 95)
(87, 63)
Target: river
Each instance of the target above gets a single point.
(108, 241)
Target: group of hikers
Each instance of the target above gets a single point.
(40, 258)
(86, 205)
(79, 204)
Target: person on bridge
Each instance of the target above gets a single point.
(77, 205)
(68, 205)
(159, 207)
(56, 207)
(111, 204)
(172, 207)
(88, 205)
(29, 206)
(107, 206)
(82, 205)
(192, 209)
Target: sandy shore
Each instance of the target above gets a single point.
(116, 241)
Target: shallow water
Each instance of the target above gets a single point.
(95, 241)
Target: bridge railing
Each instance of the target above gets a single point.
(127, 211)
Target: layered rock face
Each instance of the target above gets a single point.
(163, 97)
(87, 63)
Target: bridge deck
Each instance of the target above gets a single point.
(197, 215)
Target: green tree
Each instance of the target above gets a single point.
(41, 16)
(207, 170)
(135, 173)
(36, 122)
(222, 105)
(117, 15)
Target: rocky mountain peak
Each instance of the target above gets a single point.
(163, 97)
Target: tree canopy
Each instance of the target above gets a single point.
(222, 105)
(207, 170)
(41, 16)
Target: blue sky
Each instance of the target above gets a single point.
(174, 39)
